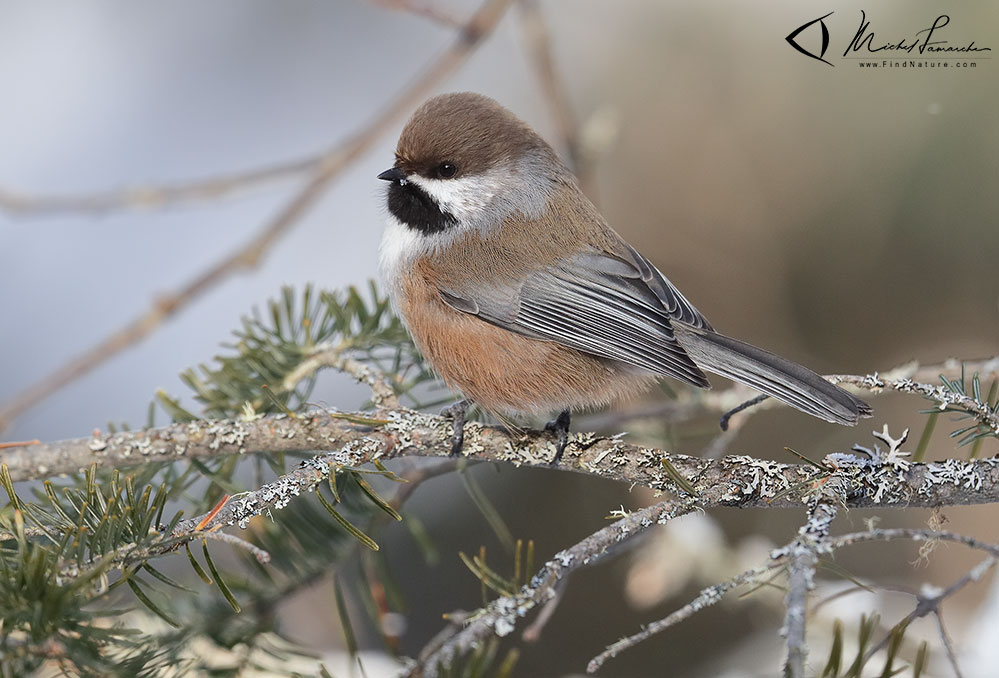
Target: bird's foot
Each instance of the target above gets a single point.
(560, 427)
(456, 413)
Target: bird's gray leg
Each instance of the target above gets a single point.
(456, 413)
(560, 427)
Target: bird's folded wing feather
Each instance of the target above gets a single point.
(616, 307)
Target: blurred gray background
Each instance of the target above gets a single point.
(844, 217)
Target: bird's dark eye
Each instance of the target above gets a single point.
(446, 170)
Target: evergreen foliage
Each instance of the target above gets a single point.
(81, 588)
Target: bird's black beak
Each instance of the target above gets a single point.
(394, 174)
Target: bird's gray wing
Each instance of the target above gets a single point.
(677, 306)
(615, 307)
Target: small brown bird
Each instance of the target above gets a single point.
(521, 296)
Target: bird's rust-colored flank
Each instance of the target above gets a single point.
(504, 372)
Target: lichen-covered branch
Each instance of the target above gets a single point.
(942, 396)
(814, 533)
(353, 439)
(802, 557)
(501, 615)
(382, 394)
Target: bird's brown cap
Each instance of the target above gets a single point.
(469, 130)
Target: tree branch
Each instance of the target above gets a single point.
(501, 615)
(154, 197)
(941, 395)
(353, 439)
(802, 555)
(927, 604)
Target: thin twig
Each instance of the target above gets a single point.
(501, 615)
(948, 645)
(427, 10)
(240, 508)
(208, 188)
(927, 604)
(784, 557)
(800, 581)
(154, 197)
(696, 402)
(383, 396)
(261, 555)
(539, 44)
(911, 534)
(706, 598)
(249, 255)
(532, 633)
(19, 443)
(724, 421)
(411, 481)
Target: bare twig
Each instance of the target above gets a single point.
(412, 480)
(948, 645)
(801, 571)
(785, 557)
(911, 534)
(154, 197)
(427, 10)
(209, 188)
(706, 598)
(246, 257)
(927, 604)
(19, 443)
(539, 44)
(532, 633)
(261, 555)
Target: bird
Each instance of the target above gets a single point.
(524, 300)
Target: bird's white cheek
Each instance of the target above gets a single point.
(465, 198)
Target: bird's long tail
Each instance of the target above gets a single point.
(777, 377)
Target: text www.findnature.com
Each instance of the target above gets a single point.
(902, 63)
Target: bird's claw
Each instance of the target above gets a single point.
(560, 427)
(456, 413)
